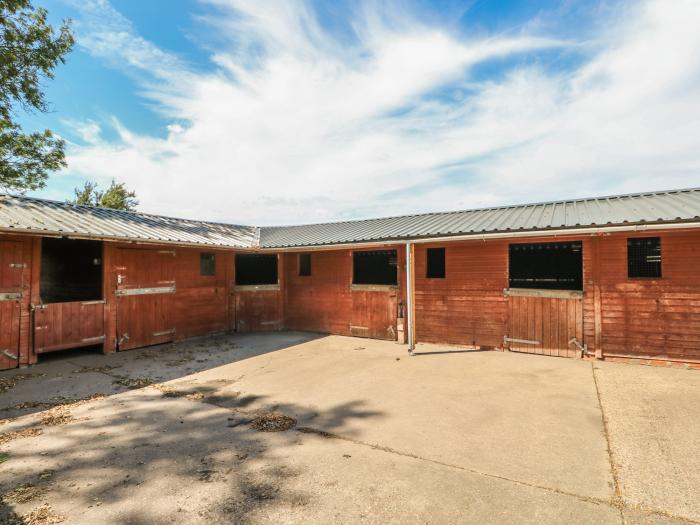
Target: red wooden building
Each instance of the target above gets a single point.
(610, 277)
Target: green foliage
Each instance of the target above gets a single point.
(116, 197)
(30, 50)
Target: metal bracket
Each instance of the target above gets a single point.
(97, 339)
(164, 332)
(11, 296)
(146, 291)
(507, 339)
(10, 355)
(583, 348)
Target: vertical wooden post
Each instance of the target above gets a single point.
(597, 306)
(109, 252)
(27, 354)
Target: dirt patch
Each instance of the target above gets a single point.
(42, 515)
(133, 382)
(18, 434)
(6, 383)
(167, 391)
(23, 493)
(272, 422)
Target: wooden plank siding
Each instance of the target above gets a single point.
(468, 307)
(652, 317)
(327, 302)
(640, 318)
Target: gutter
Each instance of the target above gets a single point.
(514, 234)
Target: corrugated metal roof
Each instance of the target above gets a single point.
(24, 214)
(641, 208)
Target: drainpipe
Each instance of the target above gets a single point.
(409, 298)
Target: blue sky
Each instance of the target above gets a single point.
(283, 112)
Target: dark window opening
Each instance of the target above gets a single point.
(305, 264)
(256, 269)
(374, 267)
(435, 267)
(546, 265)
(207, 264)
(644, 257)
(71, 270)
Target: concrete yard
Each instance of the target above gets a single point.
(163, 435)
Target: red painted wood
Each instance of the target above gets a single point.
(327, 302)
(12, 274)
(58, 326)
(144, 320)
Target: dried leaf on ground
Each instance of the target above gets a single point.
(272, 422)
(59, 415)
(23, 493)
(17, 434)
(42, 515)
(133, 382)
(6, 383)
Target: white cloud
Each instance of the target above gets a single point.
(295, 127)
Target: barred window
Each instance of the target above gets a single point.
(644, 257)
(546, 265)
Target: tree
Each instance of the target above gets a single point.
(116, 197)
(30, 50)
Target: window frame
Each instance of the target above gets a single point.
(256, 284)
(437, 249)
(359, 253)
(202, 255)
(660, 255)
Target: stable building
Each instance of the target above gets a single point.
(610, 277)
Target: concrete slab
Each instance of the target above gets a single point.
(380, 438)
(138, 457)
(530, 418)
(653, 419)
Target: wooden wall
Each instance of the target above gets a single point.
(260, 308)
(651, 317)
(326, 301)
(646, 318)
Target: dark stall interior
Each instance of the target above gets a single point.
(71, 270)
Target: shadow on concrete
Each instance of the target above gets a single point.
(75, 374)
(152, 456)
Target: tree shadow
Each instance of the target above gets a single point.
(150, 456)
(77, 374)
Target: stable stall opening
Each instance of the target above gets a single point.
(71, 270)
(374, 267)
(644, 257)
(256, 269)
(546, 265)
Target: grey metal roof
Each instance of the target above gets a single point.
(38, 216)
(641, 208)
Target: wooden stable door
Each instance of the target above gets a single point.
(545, 323)
(145, 291)
(11, 268)
(58, 326)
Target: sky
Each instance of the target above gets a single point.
(285, 112)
